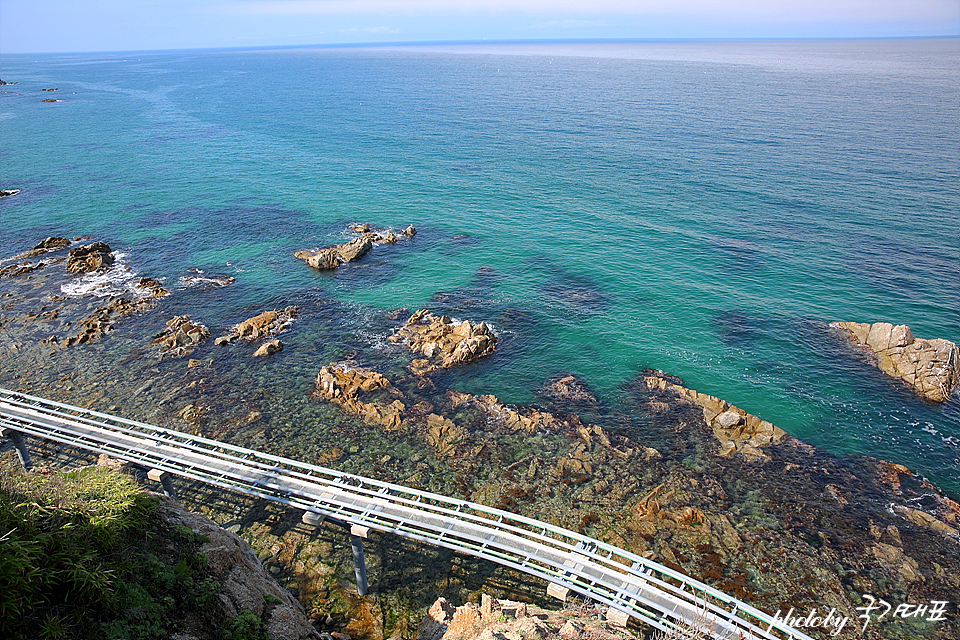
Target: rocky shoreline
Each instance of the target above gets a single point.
(667, 472)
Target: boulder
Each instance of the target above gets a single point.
(324, 259)
(268, 348)
(354, 250)
(52, 243)
(929, 367)
(89, 257)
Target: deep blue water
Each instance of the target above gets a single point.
(703, 208)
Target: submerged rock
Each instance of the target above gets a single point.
(442, 342)
(930, 367)
(21, 269)
(98, 323)
(196, 278)
(180, 334)
(89, 257)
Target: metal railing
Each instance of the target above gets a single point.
(570, 562)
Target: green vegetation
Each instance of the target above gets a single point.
(84, 554)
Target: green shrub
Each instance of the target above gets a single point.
(84, 554)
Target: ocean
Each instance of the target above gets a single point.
(701, 208)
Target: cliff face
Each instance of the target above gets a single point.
(246, 585)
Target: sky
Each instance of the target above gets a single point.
(48, 26)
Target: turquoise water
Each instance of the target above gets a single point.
(703, 208)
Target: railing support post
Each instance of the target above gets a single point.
(17, 439)
(357, 534)
(165, 481)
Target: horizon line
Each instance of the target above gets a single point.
(483, 41)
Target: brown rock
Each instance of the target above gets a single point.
(266, 323)
(179, 335)
(354, 250)
(930, 367)
(344, 384)
(52, 243)
(737, 431)
(443, 343)
(268, 348)
(443, 434)
(89, 257)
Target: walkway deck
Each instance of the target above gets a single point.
(568, 561)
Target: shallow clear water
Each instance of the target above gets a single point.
(700, 208)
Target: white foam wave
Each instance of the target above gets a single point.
(118, 280)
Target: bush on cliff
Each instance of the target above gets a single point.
(84, 555)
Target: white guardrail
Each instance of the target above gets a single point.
(631, 585)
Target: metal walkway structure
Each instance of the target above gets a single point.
(631, 585)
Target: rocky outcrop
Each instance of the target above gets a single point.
(261, 325)
(150, 288)
(570, 390)
(89, 257)
(442, 342)
(52, 243)
(738, 431)
(347, 385)
(179, 336)
(21, 269)
(331, 257)
(930, 367)
(246, 585)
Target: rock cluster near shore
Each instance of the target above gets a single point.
(442, 342)
(738, 431)
(333, 256)
(930, 367)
